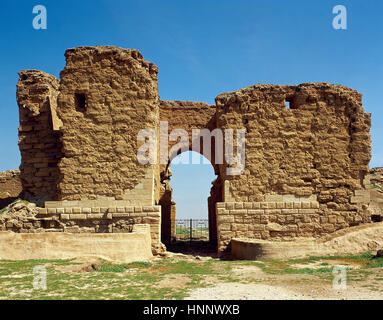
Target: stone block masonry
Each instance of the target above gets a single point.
(118, 247)
(39, 136)
(280, 221)
(115, 219)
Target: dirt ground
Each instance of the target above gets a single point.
(249, 281)
(192, 276)
(289, 287)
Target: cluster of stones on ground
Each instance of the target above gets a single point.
(78, 141)
(376, 177)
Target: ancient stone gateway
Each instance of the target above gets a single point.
(307, 150)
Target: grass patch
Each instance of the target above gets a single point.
(366, 261)
(374, 186)
(154, 280)
(110, 267)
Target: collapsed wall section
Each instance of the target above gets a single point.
(39, 136)
(10, 187)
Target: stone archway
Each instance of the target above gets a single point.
(169, 211)
(188, 116)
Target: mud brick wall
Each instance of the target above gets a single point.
(39, 142)
(320, 145)
(307, 150)
(107, 95)
(101, 220)
(186, 115)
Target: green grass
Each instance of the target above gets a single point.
(145, 280)
(366, 261)
(21, 200)
(138, 280)
(186, 231)
(17, 200)
(182, 230)
(110, 267)
(374, 186)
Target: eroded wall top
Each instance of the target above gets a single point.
(107, 95)
(300, 140)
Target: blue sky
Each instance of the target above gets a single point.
(202, 48)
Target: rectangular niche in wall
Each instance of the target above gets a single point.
(80, 102)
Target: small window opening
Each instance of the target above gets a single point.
(80, 101)
(290, 103)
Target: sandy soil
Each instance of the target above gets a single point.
(235, 291)
(287, 287)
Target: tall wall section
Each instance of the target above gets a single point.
(107, 95)
(307, 155)
(39, 137)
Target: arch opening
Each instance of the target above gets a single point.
(190, 189)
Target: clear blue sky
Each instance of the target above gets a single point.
(202, 48)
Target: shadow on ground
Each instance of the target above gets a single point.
(195, 248)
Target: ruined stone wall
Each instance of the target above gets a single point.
(111, 219)
(307, 150)
(107, 95)
(319, 149)
(10, 187)
(24, 217)
(39, 143)
(320, 144)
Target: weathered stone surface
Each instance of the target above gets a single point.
(21, 246)
(39, 142)
(10, 187)
(107, 95)
(306, 169)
